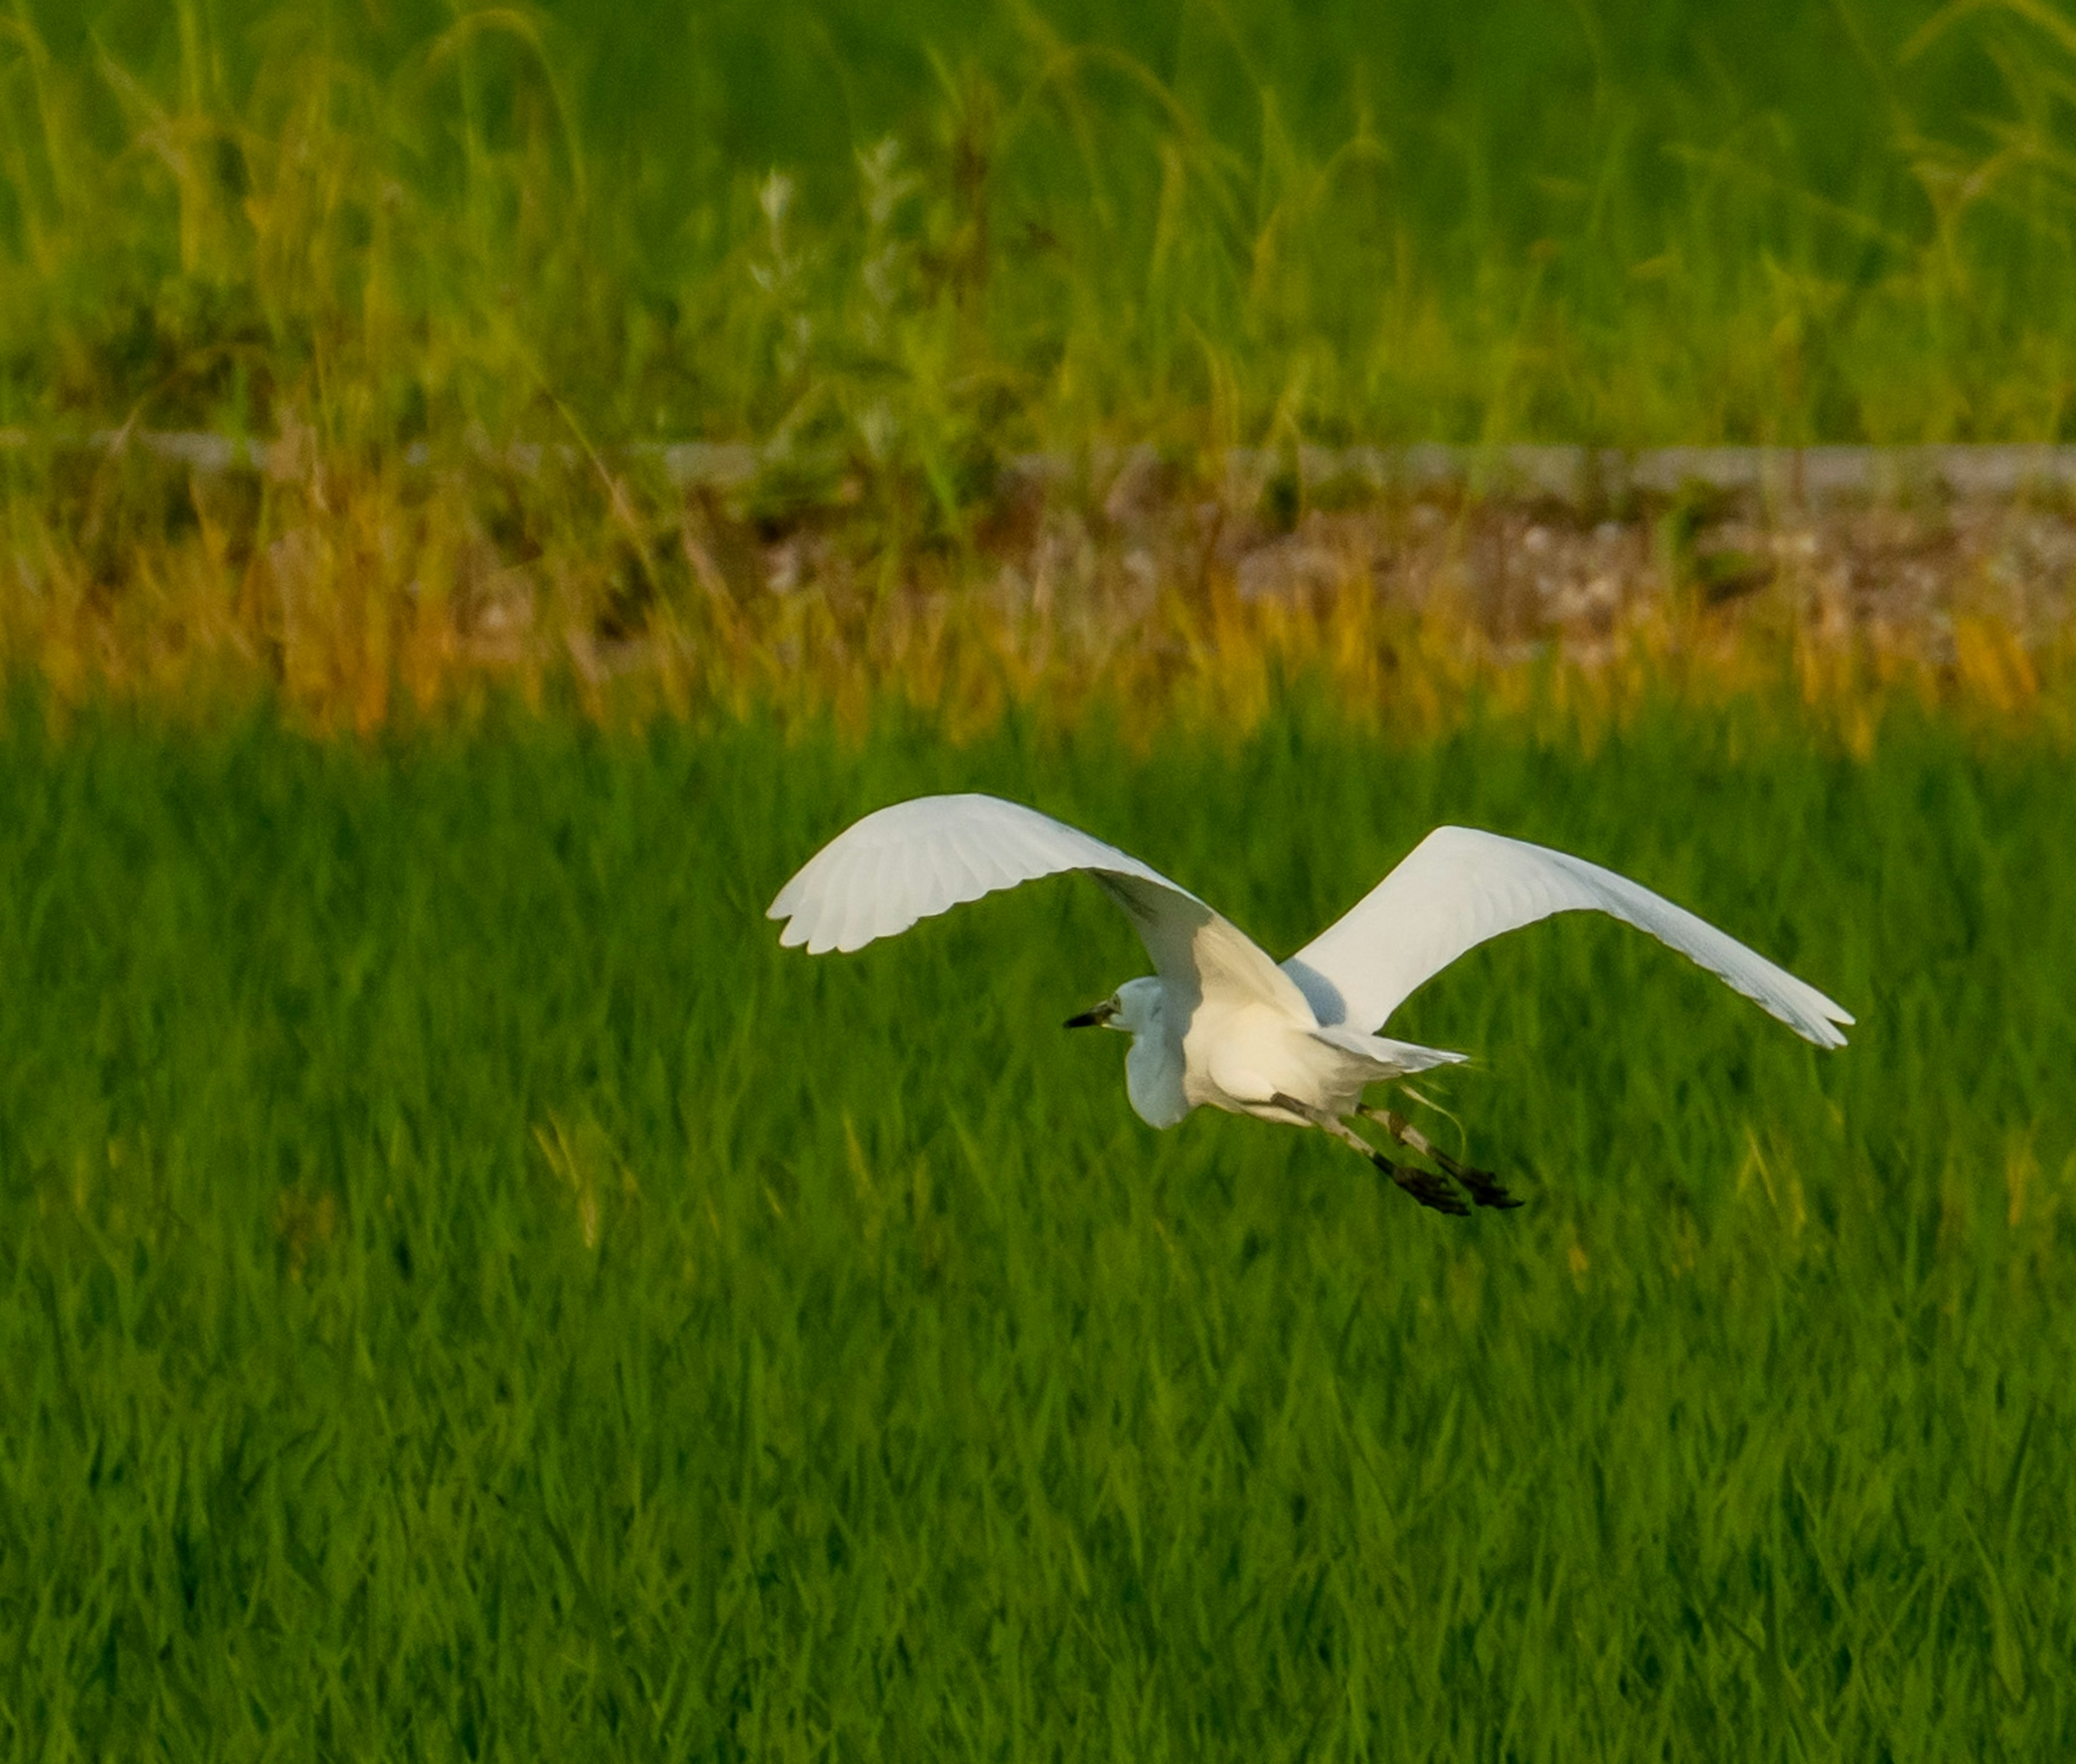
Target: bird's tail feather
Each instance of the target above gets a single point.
(1396, 1058)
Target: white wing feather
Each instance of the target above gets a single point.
(921, 857)
(1459, 887)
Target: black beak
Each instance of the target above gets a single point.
(1093, 1019)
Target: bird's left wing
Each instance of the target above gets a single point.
(919, 858)
(1459, 887)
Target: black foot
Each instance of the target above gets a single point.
(1486, 1188)
(1428, 1190)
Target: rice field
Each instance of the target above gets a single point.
(465, 1292)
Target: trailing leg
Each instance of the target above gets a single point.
(1427, 1189)
(1485, 1188)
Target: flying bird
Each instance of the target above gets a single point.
(1218, 1021)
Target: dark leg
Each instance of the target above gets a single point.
(1485, 1188)
(1428, 1189)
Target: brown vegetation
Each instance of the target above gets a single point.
(355, 589)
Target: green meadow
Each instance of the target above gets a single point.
(465, 1293)
(926, 235)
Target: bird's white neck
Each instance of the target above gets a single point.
(1153, 1066)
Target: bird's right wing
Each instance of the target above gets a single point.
(921, 858)
(1459, 887)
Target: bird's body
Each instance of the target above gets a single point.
(1242, 1055)
(1220, 1023)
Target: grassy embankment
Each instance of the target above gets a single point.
(465, 1291)
(894, 250)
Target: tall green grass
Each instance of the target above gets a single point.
(930, 234)
(465, 1292)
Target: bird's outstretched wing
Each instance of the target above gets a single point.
(921, 857)
(1459, 887)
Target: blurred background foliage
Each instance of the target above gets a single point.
(935, 232)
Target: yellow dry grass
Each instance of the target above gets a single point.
(356, 594)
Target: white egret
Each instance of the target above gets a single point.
(1218, 1021)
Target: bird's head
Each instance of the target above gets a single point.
(1134, 1007)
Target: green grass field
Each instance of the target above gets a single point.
(465, 1292)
